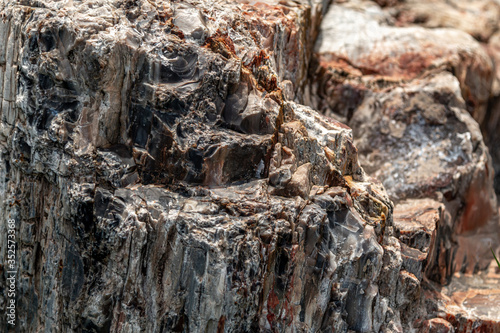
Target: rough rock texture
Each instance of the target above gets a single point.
(377, 55)
(165, 175)
(411, 123)
(468, 303)
(480, 19)
(413, 96)
(161, 182)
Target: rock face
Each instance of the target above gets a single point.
(477, 18)
(481, 20)
(413, 97)
(377, 55)
(166, 175)
(162, 182)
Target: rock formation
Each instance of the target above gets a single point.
(411, 96)
(168, 169)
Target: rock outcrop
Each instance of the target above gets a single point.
(162, 182)
(413, 97)
(167, 169)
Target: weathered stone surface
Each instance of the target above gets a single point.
(477, 18)
(469, 303)
(437, 325)
(162, 182)
(376, 55)
(415, 221)
(413, 96)
(411, 124)
(165, 177)
(481, 20)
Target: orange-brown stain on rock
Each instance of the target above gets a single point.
(222, 44)
(337, 63)
(220, 325)
(478, 209)
(472, 326)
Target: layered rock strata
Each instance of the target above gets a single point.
(165, 175)
(413, 96)
(161, 181)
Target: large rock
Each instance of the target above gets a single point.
(410, 121)
(478, 18)
(413, 97)
(481, 20)
(360, 49)
(468, 303)
(161, 181)
(165, 177)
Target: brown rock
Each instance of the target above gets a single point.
(477, 18)
(142, 149)
(162, 179)
(300, 184)
(470, 303)
(415, 221)
(376, 55)
(408, 93)
(437, 325)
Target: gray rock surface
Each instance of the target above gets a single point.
(165, 174)
(413, 96)
(160, 181)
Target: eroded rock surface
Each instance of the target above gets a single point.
(477, 18)
(166, 176)
(410, 119)
(481, 20)
(413, 97)
(162, 180)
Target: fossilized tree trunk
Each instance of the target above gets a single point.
(167, 169)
